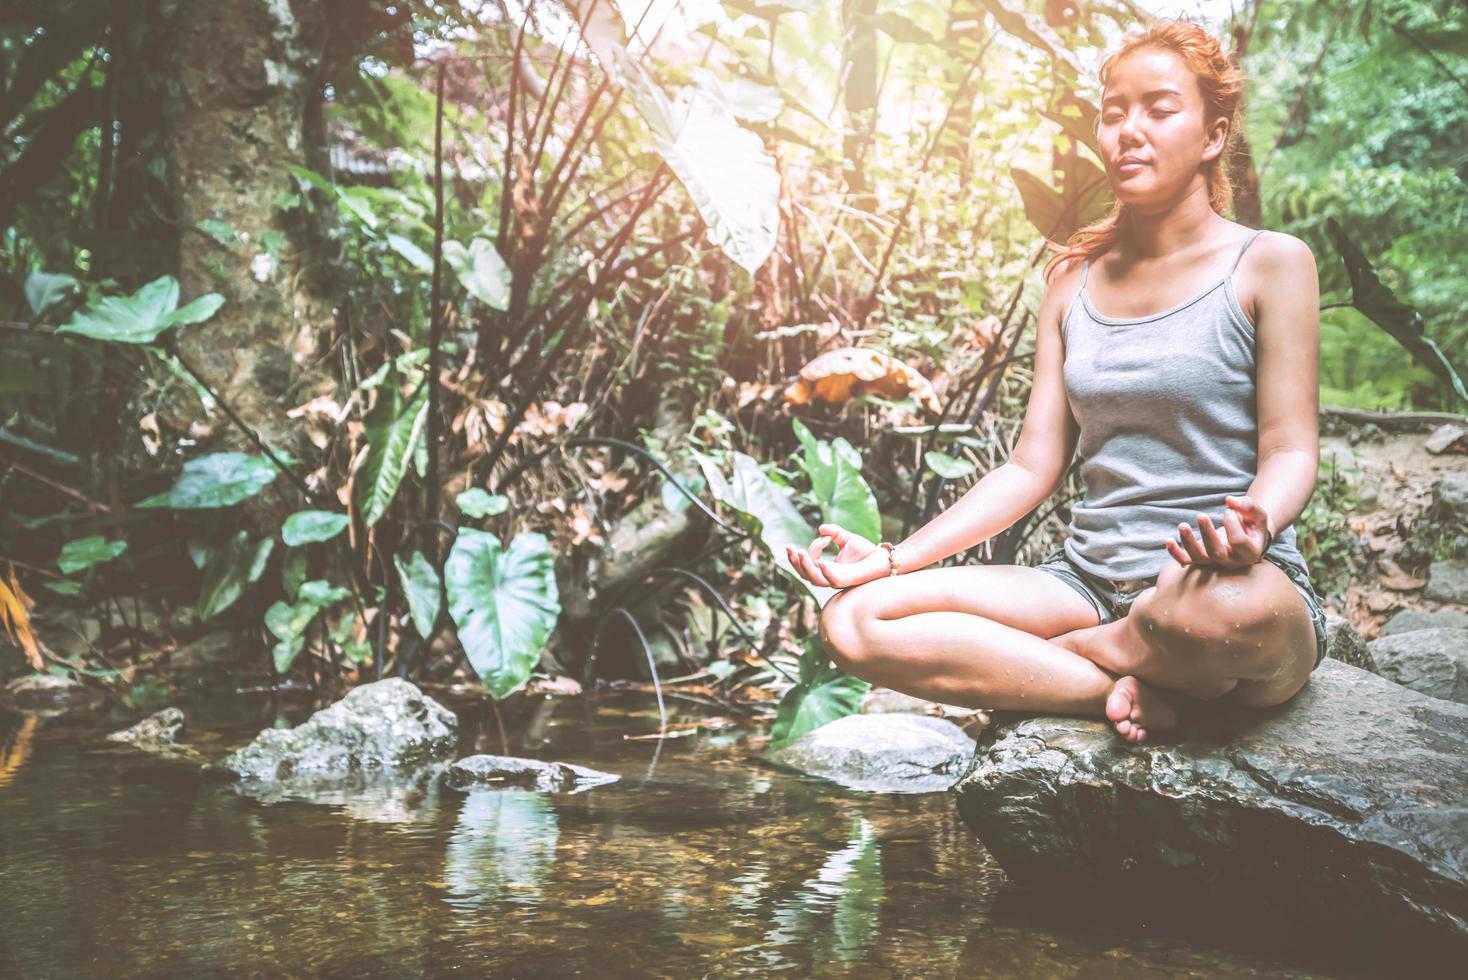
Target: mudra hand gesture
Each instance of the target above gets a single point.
(857, 561)
(1245, 537)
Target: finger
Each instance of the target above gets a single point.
(1233, 527)
(815, 571)
(832, 576)
(1191, 544)
(819, 545)
(1212, 540)
(1176, 551)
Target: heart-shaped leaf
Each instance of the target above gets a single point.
(480, 271)
(307, 526)
(218, 480)
(505, 604)
(83, 553)
(421, 586)
(141, 317)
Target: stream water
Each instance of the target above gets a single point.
(699, 862)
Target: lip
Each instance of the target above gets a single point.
(1128, 167)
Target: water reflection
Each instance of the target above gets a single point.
(836, 911)
(502, 849)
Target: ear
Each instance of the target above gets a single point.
(1217, 138)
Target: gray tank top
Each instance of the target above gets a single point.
(1169, 425)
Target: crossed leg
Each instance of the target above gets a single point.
(1008, 636)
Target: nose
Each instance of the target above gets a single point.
(1130, 132)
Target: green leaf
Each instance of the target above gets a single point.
(420, 259)
(221, 231)
(259, 558)
(391, 430)
(764, 510)
(44, 289)
(64, 586)
(307, 526)
(321, 593)
(225, 574)
(481, 271)
(837, 484)
(421, 586)
(141, 317)
(290, 622)
(218, 480)
(1056, 214)
(675, 501)
(504, 603)
(946, 466)
(292, 574)
(478, 502)
(823, 695)
(83, 553)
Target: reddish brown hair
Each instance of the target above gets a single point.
(1222, 85)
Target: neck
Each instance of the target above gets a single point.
(1153, 231)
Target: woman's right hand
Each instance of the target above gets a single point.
(857, 561)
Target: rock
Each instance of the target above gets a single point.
(49, 695)
(1447, 581)
(1430, 661)
(505, 770)
(1424, 619)
(884, 700)
(882, 753)
(1343, 643)
(1450, 497)
(385, 724)
(1342, 811)
(1443, 437)
(159, 728)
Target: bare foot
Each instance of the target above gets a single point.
(1136, 708)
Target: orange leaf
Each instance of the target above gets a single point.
(15, 608)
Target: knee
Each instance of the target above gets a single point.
(841, 631)
(1197, 605)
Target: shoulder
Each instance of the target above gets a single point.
(1060, 289)
(1279, 255)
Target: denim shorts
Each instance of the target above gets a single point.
(1113, 598)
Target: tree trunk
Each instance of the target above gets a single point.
(242, 72)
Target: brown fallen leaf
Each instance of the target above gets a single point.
(1402, 583)
(839, 375)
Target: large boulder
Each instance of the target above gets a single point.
(1344, 643)
(49, 695)
(1424, 619)
(386, 724)
(1430, 661)
(881, 753)
(1344, 809)
(1447, 581)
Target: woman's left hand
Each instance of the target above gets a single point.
(1243, 541)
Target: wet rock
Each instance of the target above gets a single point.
(1450, 497)
(881, 753)
(160, 728)
(1343, 809)
(389, 723)
(1444, 437)
(1343, 643)
(477, 771)
(885, 701)
(1424, 619)
(1447, 581)
(49, 695)
(1430, 661)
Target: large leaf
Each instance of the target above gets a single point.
(504, 604)
(1032, 29)
(416, 257)
(481, 271)
(391, 428)
(762, 508)
(141, 317)
(1057, 215)
(1377, 301)
(218, 480)
(837, 484)
(822, 695)
(421, 586)
(307, 526)
(725, 169)
(83, 553)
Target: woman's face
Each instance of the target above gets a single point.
(1152, 111)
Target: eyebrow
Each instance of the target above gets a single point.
(1154, 94)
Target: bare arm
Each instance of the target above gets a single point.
(1040, 458)
(1287, 340)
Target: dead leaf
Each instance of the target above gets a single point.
(15, 617)
(1402, 583)
(838, 376)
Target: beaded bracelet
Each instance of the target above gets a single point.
(891, 558)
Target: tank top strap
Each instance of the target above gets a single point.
(1243, 248)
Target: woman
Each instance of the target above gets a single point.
(1179, 351)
